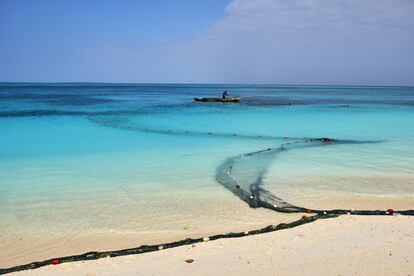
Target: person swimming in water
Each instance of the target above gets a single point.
(225, 94)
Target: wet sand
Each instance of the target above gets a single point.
(24, 247)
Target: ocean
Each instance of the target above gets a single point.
(90, 166)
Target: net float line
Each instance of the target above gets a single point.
(94, 255)
(126, 124)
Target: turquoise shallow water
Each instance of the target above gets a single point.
(83, 161)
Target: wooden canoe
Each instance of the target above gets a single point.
(226, 100)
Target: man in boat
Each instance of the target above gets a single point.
(225, 94)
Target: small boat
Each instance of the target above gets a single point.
(225, 100)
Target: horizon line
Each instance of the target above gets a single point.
(191, 83)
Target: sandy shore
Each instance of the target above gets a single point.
(348, 245)
(20, 248)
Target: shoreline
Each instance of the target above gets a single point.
(312, 217)
(335, 246)
(93, 255)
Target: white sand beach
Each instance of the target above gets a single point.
(347, 245)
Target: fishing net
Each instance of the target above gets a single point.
(243, 174)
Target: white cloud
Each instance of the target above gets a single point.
(315, 41)
(280, 16)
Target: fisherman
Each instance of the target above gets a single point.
(225, 94)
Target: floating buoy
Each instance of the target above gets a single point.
(326, 140)
(304, 217)
(390, 211)
(309, 211)
(55, 261)
(238, 186)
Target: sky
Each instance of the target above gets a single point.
(344, 42)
